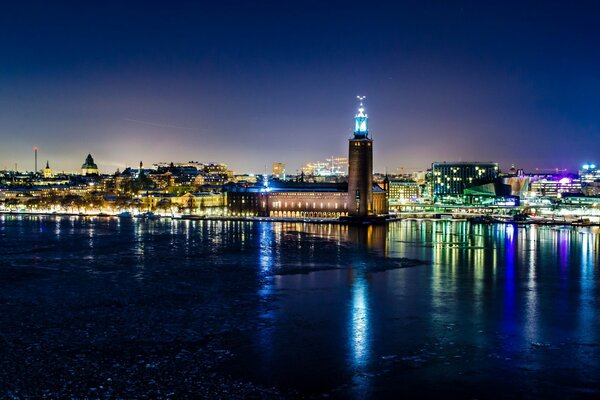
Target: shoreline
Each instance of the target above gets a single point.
(575, 224)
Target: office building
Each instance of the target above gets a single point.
(452, 178)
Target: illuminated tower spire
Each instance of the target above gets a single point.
(360, 167)
(361, 121)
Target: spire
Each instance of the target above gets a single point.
(361, 130)
(47, 164)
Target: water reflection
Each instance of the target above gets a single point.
(531, 303)
(339, 313)
(589, 313)
(360, 340)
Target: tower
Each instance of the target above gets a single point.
(47, 170)
(360, 167)
(35, 170)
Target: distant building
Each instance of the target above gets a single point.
(189, 202)
(290, 200)
(332, 167)
(589, 173)
(89, 167)
(554, 187)
(217, 173)
(402, 192)
(452, 178)
(278, 170)
(183, 165)
(358, 197)
(47, 173)
(519, 184)
(339, 165)
(217, 168)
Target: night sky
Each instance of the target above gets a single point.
(252, 84)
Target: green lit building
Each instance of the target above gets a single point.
(452, 178)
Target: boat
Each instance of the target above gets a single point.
(147, 215)
(125, 214)
(191, 217)
(519, 219)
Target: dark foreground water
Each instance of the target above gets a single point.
(102, 308)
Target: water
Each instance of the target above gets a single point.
(120, 308)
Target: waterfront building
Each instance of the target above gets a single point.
(190, 202)
(451, 178)
(360, 167)
(358, 197)
(89, 167)
(290, 200)
(402, 192)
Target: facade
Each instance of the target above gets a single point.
(89, 167)
(307, 201)
(589, 173)
(402, 192)
(247, 201)
(198, 166)
(451, 178)
(297, 200)
(193, 202)
(360, 167)
(289, 200)
(332, 167)
(554, 187)
(278, 170)
(519, 184)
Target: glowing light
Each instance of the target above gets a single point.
(360, 321)
(361, 120)
(564, 181)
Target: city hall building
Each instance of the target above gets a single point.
(357, 198)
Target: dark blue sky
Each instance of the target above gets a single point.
(251, 84)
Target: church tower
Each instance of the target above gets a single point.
(360, 167)
(47, 171)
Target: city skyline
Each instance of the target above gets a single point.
(299, 199)
(263, 86)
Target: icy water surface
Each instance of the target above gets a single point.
(108, 308)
